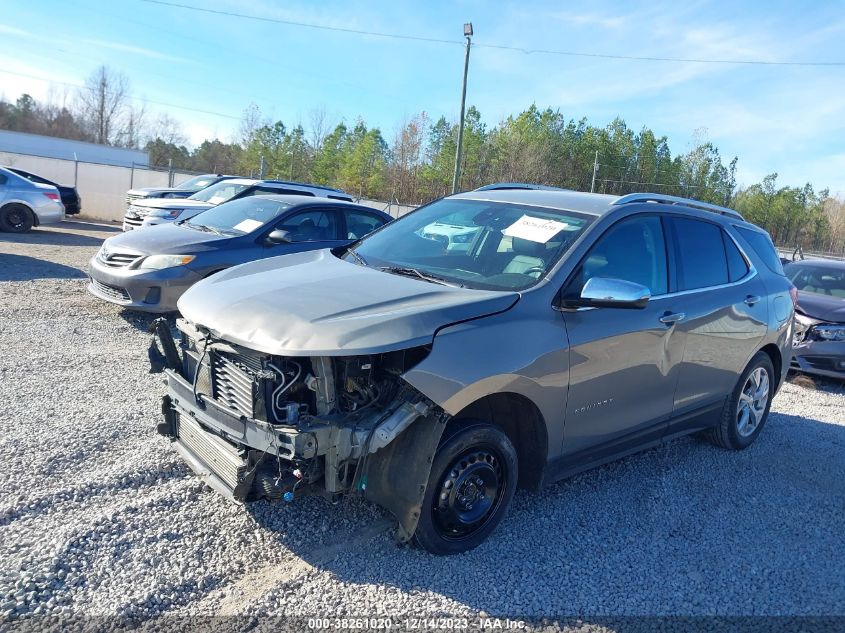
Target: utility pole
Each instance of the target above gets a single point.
(595, 170)
(261, 168)
(457, 175)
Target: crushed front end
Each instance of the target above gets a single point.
(255, 425)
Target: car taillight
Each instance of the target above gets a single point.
(793, 292)
(53, 196)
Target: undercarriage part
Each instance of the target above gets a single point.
(160, 330)
(387, 431)
(323, 384)
(272, 487)
(396, 476)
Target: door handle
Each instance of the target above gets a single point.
(670, 319)
(751, 299)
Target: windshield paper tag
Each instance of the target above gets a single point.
(247, 225)
(534, 229)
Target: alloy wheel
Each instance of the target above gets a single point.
(752, 403)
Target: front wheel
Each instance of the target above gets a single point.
(472, 481)
(747, 409)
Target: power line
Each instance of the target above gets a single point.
(527, 51)
(142, 99)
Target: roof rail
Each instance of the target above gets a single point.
(498, 186)
(687, 202)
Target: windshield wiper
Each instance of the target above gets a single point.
(413, 272)
(203, 227)
(357, 257)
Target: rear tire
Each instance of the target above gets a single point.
(746, 410)
(16, 218)
(472, 481)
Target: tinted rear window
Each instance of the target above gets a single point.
(737, 266)
(700, 254)
(762, 245)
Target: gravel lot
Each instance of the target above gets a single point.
(98, 516)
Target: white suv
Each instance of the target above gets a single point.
(143, 213)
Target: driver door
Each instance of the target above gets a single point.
(624, 362)
(310, 230)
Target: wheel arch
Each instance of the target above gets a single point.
(522, 422)
(24, 204)
(774, 353)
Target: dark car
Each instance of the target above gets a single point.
(819, 344)
(150, 269)
(70, 197)
(576, 328)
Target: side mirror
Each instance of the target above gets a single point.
(279, 236)
(601, 292)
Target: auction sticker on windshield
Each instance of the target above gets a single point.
(247, 225)
(535, 229)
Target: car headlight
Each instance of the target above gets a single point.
(165, 213)
(462, 238)
(159, 262)
(830, 332)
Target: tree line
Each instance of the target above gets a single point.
(416, 165)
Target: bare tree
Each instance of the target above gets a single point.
(103, 102)
(167, 129)
(318, 127)
(250, 122)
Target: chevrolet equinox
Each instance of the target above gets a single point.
(434, 371)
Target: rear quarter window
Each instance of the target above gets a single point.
(762, 245)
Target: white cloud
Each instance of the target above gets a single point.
(10, 30)
(135, 50)
(589, 19)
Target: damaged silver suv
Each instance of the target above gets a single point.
(571, 330)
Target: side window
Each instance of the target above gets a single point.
(737, 266)
(359, 223)
(311, 226)
(762, 245)
(3, 179)
(700, 254)
(633, 250)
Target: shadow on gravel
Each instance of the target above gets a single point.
(25, 268)
(142, 320)
(84, 225)
(54, 237)
(674, 530)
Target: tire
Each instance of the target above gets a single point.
(478, 460)
(745, 412)
(16, 218)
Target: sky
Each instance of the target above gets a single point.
(205, 69)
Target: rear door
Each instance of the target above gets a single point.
(725, 311)
(359, 223)
(4, 187)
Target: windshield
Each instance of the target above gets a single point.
(819, 280)
(241, 216)
(475, 243)
(220, 192)
(196, 183)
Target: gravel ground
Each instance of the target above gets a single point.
(98, 516)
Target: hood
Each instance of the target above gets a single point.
(167, 239)
(171, 203)
(314, 304)
(822, 307)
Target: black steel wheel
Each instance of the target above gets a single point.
(472, 481)
(15, 218)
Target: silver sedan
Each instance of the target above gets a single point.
(24, 204)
